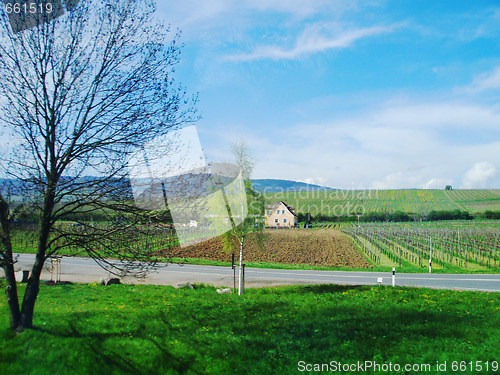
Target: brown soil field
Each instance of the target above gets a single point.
(315, 247)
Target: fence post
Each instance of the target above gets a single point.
(234, 276)
(430, 258)
(55, 269)
(243, 285)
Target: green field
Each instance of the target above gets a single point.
(139, 329)
(412, 201)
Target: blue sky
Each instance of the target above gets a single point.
(348, 94)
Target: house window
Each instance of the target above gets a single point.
(284, 221)
(283, 211)
(278, 212)
(276, 221)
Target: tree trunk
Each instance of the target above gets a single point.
(31, 294)
(33, 287)
(11, 292)
(8, 265)
(28, 307)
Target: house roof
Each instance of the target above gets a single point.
(272, 206)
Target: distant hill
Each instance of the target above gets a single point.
(262, 185)
(333, 202)
(277, 186)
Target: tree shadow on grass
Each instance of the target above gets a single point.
(332, 288)
(112, 358)
(316, 289)
(367, 325)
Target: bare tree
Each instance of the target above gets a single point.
(255, 204)
(243, 158)
(79, 94)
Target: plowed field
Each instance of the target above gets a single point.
(316, 247)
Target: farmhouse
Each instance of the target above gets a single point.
(279, 214)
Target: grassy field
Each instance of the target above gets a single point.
(136, 329)
(414, 201)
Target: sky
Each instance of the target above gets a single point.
(348, 94)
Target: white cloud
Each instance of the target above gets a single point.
(439, 115)
(483, 82)
(225, 18)
(436, 183)
(401, 180)
(394, 181)
(300, 8)
(312, 40)
(479, 175)
(314, 181)
(375, 149)
(410, 141)
(192, 13)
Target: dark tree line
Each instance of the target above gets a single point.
(491, 215)
(399, 216)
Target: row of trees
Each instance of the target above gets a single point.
(398, 216)
(449, 215)
(491, 215)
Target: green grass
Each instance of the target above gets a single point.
(138, 329)
(415, 201)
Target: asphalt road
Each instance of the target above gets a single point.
(87, 271)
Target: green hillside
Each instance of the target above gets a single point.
(412, 201)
